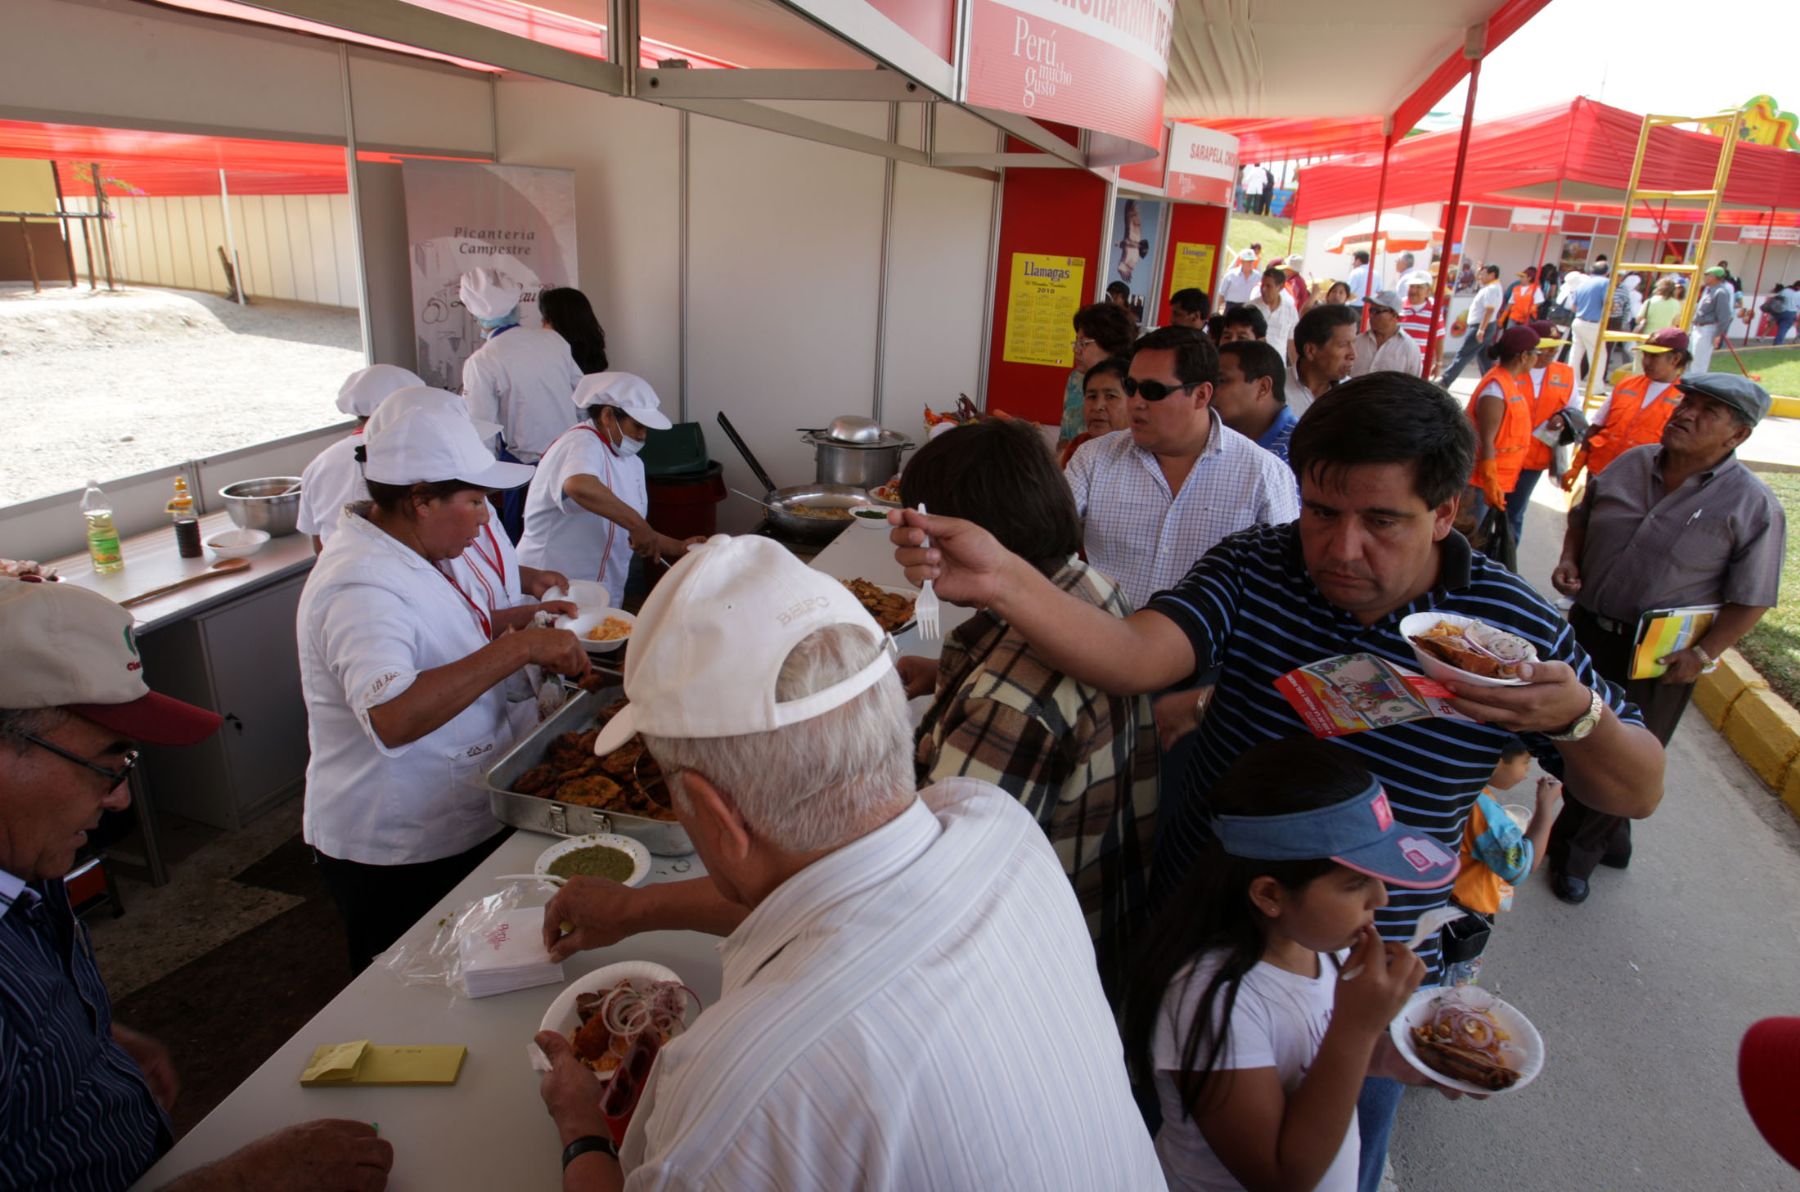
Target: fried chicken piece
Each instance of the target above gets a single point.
(534, 780)
(622, 762)
(592, 1041)
(593, 791)
(611, 710)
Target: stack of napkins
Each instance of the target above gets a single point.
(505, 951)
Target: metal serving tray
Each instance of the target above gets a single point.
(536, 814)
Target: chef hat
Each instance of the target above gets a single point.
(486, 296)
(365, 388)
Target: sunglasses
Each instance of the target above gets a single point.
(113, 777)
(1154, 390)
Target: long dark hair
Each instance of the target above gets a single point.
(571, 316)
(1212, 912)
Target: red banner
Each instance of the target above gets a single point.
(1095, 64)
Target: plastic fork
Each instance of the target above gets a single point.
(925, 609)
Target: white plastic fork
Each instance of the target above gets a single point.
(925, 610)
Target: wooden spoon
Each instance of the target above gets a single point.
(222, 567)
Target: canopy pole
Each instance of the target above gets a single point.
(1456, 181)
(1387, 147)
(1750, 312)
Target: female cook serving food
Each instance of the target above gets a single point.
(584, 514)
(406, 674)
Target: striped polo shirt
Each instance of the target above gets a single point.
(75, 1112)
(1250, 608)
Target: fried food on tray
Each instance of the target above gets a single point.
(626, 781)
(891, 610)
(610, 630)
(534, 780)
(827, 512)
(593, 790)
(1477, 648)
(1465, 1042)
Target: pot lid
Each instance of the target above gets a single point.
(853, 428)
(887, 438)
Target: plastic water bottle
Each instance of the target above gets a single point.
(102, 535)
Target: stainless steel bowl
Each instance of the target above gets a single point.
(814, 529)
(271, 503)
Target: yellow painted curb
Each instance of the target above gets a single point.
(1764, 729)
(1785, 407)
(1790, 789)
(1715, 693)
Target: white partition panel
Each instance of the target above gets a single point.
(784, 266)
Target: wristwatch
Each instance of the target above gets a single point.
(1586, 723)
(586, 1143)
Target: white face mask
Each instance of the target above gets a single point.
(627, 446)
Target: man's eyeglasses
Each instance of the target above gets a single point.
(113, 777)
(1153, 390)
(1082, 342)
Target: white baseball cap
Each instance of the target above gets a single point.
(713, 635)
(67, 647)
(364, 389)
(486, 296)
(624, 391)
(1417, 277)
(1248, 254)
(418, 437)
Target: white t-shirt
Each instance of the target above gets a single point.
(1278, 1022)
(1486, 305)
(524, 379)
(331, 481)
(1255, 179)
(1281, 321)
(373, 616)
(1359, 281)
(561, 535)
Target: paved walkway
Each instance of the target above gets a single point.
(1642, 993)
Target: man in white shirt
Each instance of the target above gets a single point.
(1481, 322)
(1278, 310)
(1712, 317)
(1324, 352)
(1155, 498)
(909, 996)
(1256, 189)
(1384, 347)
(1240, 282)
(1359, 282)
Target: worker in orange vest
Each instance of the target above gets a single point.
(1524, 298)
(1552, 386)
(1501, 411)
(1639, 405)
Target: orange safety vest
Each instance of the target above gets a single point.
(1559, 387)
(1514, 435)
(1523, 309)
(1629, 422)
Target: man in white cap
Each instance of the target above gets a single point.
(1384, 347)
(584, 514)
(334, 478)
(1241, 282)
(910, 998)
(520, 378)
(83, 1100)
(409, 676)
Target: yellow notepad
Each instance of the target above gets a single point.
(363, 1062)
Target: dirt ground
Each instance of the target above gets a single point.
(100, 385)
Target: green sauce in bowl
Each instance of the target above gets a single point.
(596, 860)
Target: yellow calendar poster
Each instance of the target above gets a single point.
(1046, 292)
(1193, 267)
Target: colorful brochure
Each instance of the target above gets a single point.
(1353, 693)
(1664, 631)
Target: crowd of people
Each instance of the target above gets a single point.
(1088, 922)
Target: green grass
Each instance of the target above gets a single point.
(1270, 232)
(1779, 367)
(1773, 647)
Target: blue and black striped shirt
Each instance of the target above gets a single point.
(1250, 608)
(75, 1111)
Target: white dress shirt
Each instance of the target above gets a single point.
(1281, 321)
(331, 481)
(1359, 280)
(1238, 286)
(563, 535)
(524, 379)
(1145, 538)
(1485, 306)
(373, 616)
(1299, 397)
(1399, 354)
(919, 1009)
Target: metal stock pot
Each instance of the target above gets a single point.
(862, 465)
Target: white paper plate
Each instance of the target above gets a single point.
(1417, 623)
(579, 626)
(640, 856)
(561, 1016)
(1524, 1036)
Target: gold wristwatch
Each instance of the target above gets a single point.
(1586, 723)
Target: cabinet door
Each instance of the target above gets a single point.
(254, 660)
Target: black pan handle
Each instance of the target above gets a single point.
(737, 441)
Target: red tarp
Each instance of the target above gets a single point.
(1583, 142)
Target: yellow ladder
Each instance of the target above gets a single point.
(1727, 127)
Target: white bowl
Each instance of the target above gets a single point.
(1525, 1036)
(878, 524)
(579, 626)
(640, 856)
(1417, 623)
(237, 544)
(562, 1017)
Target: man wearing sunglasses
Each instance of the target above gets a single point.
(83, 1100)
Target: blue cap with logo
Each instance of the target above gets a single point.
(1359, 833)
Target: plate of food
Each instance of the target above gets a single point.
(1449, 646)
(871, 517)
(598, 854)
(892, 608)
(887, 494)
(604, 1012)
(1468, 1039)
(601, 631)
